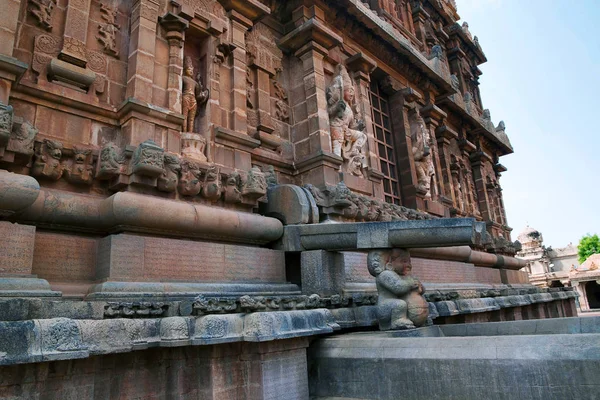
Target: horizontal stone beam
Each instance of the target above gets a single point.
(466, 254)
(126, 211)
(384, 235)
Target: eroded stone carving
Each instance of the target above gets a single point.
(339, 200)
(42, 11)
(193, 95)
(47, 160)
(401, 304)
(255, 185)
(81, 170)
(139, 309)
(189, 184)
(421, 151)
(232, 191)
(107, 32)
(193, 146)
(148, 159)
(347, 127)
(167, 182)
(6, 123)
(282, 112)
(110, 162)
(211, 188)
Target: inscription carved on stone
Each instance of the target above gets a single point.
(16, 248)
(401, 304)
(347, 128)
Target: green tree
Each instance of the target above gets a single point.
(588, 245)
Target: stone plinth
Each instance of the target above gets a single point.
(150, 264)
(16, 258)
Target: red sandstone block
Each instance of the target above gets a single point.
(16, 248)
(64, 258)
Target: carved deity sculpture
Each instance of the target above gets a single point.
(347, 129)
(422, 155)
(401, 304)
(47, 160)
(193, 95)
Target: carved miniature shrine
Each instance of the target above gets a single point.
(214, 175)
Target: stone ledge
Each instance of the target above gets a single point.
(64, 338)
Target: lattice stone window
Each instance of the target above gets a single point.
(384, 139)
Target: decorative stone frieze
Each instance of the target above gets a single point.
(167, 182)
(110, 162)
(211, 187)
(81, 169)
(339, 202)
(148, 159)
(141, 309)
(47, 160)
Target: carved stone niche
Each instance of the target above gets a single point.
(81, 168)
(47, 160)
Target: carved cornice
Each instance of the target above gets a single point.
(312, 30)
(250, 9)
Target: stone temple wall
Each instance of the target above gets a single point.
(162, 165)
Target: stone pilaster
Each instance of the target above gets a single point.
(310, 42)
(175, 27)
(140, 72)
(485, 207)
(75, 35)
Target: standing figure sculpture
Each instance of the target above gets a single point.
(193, 95)
(400, 304)
(422, 155)
(347, 129)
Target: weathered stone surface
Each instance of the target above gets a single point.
(374, 235)
(16, 248)
(138, 258)
(291, 205)
(471, 367)
(322, 272)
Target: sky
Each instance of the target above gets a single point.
(542, 78)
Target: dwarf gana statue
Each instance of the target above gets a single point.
(422, 154)
(401, 304)
(193, 95)
(347, 129)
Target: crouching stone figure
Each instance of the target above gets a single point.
(401, 304)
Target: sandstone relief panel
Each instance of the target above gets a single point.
(348, 135)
